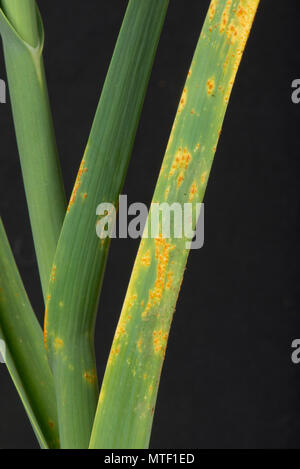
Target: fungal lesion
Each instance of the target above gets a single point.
(180, 179)
(169, 280)
(196, 147)
(160, 339)
(210, 86)
(162, 256)
(123, 321)
(181, 161)
(242, 15)
(90, 376)
(183, 100)
(46, 322)
(203, 177)
(139, 344)
(81, 171)
(232, 32)
(53, 273)
(212, 10)
(58, 344)
(193, 191)
(146, 259)
(225, 16)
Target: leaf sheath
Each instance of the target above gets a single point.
(36, 140)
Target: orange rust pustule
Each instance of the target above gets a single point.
(46, 322)
(181, 160)
(212, 10)
(113, 353)
(160, 341)
(203, 177)
(169, 280)
(90, 377)
(180, 179)
(210, 85)
(53, 272)
(225, 16)
(139, 344)
(183, 100)
(77, 184)
(121, 327)
(193, 191)
(162, 255)
(146, 259)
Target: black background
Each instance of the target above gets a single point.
(228, 379)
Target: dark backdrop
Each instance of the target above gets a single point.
(228, 379)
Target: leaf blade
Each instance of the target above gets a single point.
(81, 257)
(25, 356)
(129, 390)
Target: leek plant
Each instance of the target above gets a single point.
(55, 375)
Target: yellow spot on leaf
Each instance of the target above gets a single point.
(180, 179)
(53, 272)
(58, 343)
(193, 191)
(46, 322)
(225, 16)
(139, 344)
(77, 184)
(210, 85)
(203, 177)
(90, 376)
(181, 160)
(183, 100)
(212, 10)
(169, 280)
(132, 301)
(160, 341)
(162, 254)
(197, 147)
(146, 259)
(101, 397)
(238, 31)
